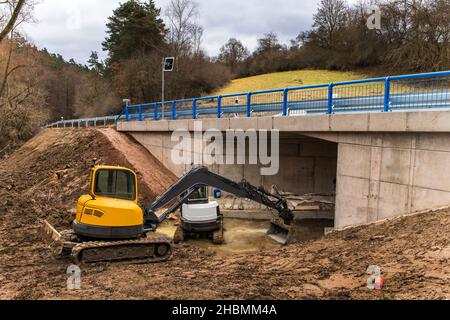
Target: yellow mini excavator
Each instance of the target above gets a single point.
(110, 226)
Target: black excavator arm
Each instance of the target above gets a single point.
(203, 177)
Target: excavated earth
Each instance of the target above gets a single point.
(45, 177)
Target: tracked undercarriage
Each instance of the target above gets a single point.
(216, 236)
(152, 249)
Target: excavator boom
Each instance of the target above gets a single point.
(280, 229)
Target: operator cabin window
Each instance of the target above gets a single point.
(200, 195)
(115, 184)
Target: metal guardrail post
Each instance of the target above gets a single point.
(249, 105)
(387, 95)
(140, 113)
(219, 107)
(174, 110)
(330, 98)
(285, 102)
(194, 109)
(127, 114)
(155, 112)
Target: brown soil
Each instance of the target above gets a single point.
(151, 172)
(44, 178)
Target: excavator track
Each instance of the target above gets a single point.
(153, 249)
(218, 238)
(179, 235)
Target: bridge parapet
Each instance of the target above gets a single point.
(430, 121)
(415, 92)
(426, 91)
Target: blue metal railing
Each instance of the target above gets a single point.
(426, 91)
(407, 92)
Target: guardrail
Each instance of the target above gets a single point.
(425, 91)
(407, 92)
(87, 122)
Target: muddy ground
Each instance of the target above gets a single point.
(45, 177)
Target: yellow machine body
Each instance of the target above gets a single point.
(111, 210)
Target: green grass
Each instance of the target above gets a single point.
(287, 80)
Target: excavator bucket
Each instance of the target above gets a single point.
(280, 232)
(49, 233)
(51, 237)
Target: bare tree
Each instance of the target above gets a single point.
(11, 15)
(22, 97)
(233, 53)
(330, 18)
(184, 32)
(197, 38)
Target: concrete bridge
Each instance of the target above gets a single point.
(380, 165)
(381, 145)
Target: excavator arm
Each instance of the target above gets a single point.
(203, 177)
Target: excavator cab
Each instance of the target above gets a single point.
(198, 195)
(200, 216)
(110, 210)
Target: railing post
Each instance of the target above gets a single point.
(249, 105)
(140, 113)
(219, 107)
(330, 99)
(127, 115)
(155, 112)
(387, 95)
(285, 102)
(174, 110)
(194, 109)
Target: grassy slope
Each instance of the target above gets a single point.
(287, 79)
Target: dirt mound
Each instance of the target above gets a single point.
(151, 171)
(48, 174)
(45, 177)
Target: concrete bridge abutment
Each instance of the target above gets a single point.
(379, 165)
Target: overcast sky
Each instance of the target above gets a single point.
(75, 28)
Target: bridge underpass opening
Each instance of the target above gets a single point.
(308, 166)
(306, 177)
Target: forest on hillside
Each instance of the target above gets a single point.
(38, 87)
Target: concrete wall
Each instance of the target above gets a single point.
(381, 176)
(307, 165)
(423, 121)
